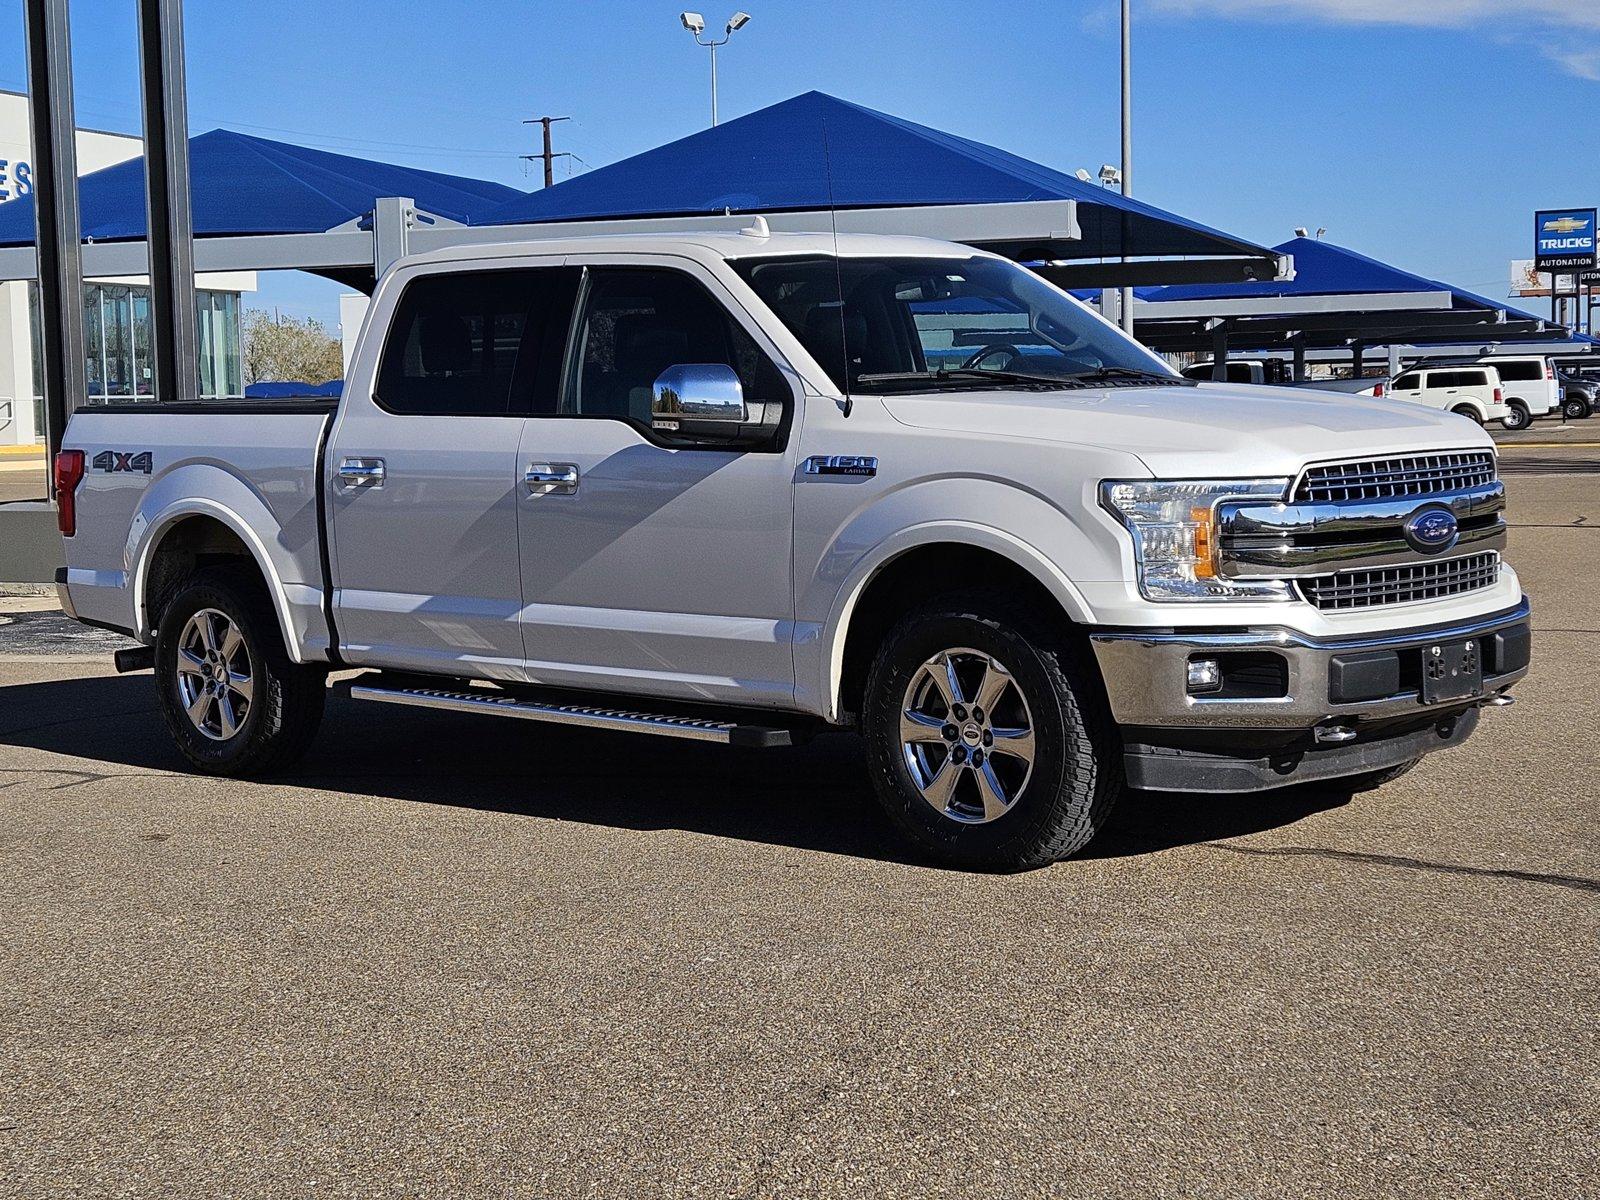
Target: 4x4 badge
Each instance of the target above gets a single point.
(111, 461)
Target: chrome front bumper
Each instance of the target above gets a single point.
(1144, 673)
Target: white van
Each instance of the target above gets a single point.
(1241, 370)
(1470, 391)
(1530, 385)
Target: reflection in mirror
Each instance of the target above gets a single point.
(698, 399)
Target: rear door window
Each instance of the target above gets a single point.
(1408, 383)
(477, 343)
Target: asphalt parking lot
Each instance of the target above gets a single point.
(455, 956)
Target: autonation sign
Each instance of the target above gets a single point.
(1564, 240)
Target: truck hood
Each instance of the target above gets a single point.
(1217, 430)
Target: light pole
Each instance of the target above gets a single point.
(1127, 142)
(696, 24)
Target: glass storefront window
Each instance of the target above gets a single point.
(117, 350)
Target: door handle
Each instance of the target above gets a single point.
(551, 479)
(361, 470)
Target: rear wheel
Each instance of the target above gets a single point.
(235, 703)
(990, 741)
(1466, 410)
(1518, 417)
(1575, 408)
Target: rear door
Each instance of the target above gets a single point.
(422, 479)
(647, 568)
(1408, 387)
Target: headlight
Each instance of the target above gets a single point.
(1175, 535)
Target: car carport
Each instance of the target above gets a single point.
(1339, 303)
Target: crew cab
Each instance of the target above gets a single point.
(742, 487)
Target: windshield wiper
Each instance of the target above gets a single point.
(1132, 374)
(970, 375)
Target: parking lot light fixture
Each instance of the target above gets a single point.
(696, 25)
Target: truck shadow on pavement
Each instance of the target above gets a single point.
(813, 797)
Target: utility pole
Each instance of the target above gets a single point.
(548, 155)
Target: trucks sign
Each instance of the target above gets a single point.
(1564, 240)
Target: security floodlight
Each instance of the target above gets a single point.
(696, 25)
(1084, 176)
(1301, 231)
(737, 21)
(693, 22)
(1320, 232)
(1109, 174)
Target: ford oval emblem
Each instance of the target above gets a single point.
(1431, 530)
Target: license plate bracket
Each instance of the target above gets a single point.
(1452, 671)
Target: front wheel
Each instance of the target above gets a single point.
(1518, 417)
(235, 703)
(990, 741)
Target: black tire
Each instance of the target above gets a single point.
(1467, 411)
(1372, 780)
(1076, 772)
(1575, 408)
(285, 706)
(1519, 417)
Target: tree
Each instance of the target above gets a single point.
(283, 348)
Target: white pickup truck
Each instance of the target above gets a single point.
(742, 487)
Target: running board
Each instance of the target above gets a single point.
(500, 704)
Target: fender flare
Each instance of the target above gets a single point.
(156, 529)
(836, 633)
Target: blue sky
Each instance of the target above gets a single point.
(1423, 132)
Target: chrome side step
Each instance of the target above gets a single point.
(500, 704)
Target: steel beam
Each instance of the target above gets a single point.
(166, 188)
(55, 194)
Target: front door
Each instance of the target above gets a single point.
(423, 486)
(648, 568)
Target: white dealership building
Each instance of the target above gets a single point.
(116, 310)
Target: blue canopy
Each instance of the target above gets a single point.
(248, 185)
(816, 151)
(1324, 269)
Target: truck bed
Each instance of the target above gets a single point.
(253, 467)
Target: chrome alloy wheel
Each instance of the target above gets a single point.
(967, 735)
(216, 679)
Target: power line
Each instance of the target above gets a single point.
(548, 155)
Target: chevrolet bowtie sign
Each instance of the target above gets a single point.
(1564, 240)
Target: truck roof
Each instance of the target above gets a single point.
(716, 244)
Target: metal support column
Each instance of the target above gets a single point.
(55, 195)
(166, 187)
(393, 218)
(1219, 350)
(1357, 367)
(1299, 344)
(1394, 360)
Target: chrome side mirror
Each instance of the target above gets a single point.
(698, 400)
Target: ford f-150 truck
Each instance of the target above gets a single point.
(740, 487)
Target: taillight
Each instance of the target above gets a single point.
(1499, 395)
(1377, 389)
(1549, 371)
(69, 473)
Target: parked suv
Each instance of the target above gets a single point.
(1241, 370)
(726, 487)
(1466, 391)
(1531, 389)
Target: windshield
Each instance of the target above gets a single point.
(905, 323)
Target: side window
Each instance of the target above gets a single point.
(1239, 373)
(476, 343)
(1444, 379)
(637, 322)
(1408, 383)
(1474, 379)
(1520, 371)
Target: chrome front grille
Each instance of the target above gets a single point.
(1388, 478)
(1402, 584)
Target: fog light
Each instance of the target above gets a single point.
(1204, 675)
